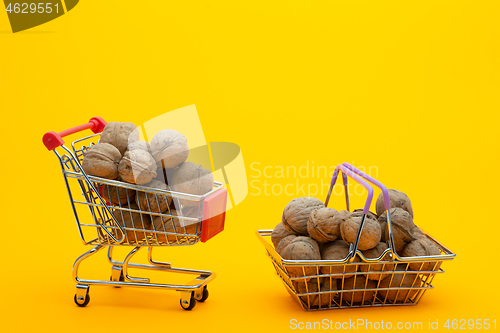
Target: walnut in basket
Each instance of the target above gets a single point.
(322, 225)
(284, 243)
(120, 135)
(397, 199)
(403, 228)
(137, 167)
(422, 247)
(357, 282)
(301, 248)
(279, 232)
(374, 253)
(337, 250)
(102, 160)
(399, 280)
(370, 235)
(316, 300)
(296, 214)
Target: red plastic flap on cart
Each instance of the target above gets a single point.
(214, 214)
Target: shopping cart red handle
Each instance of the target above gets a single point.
(52, 140)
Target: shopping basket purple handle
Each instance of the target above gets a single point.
(372, 180)
(347, 172)
(52, 140)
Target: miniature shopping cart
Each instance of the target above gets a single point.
(334, 284)
(106, 226)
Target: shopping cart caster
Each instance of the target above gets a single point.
(82, 297)
(202, 297)
(187, 300)
(117, 275)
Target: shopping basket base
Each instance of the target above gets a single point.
(191, 292)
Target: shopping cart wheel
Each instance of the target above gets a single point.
(203, 296)
(82, 301)
(188, 303)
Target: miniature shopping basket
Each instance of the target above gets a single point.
(102, 228)
(335, 284)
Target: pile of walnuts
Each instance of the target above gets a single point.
(310, 231)
(159, 164)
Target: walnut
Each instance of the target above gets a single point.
(322, 226)
(357, 282)
(170, 147)
(398, 281)
(397, 199)
(142, 145)
(132, 221)
(359, 212)
(284, 243)
(296, 214)
(279, 232)
(117, 195)
(192, 179)
(155, 203)
(102, 160)
(316, 300)
(175, 229)
(337, 250)
(403, 228)
(422, 247)
(301, 248)
(120, 135)
(137, 167)
(373, 267)
(370, 235)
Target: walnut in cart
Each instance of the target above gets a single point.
(170, 147)
(301, 248)
(192, 179)
(151, 202)
(322, 225)
(397, 199)
(102, 160)
(337, 250)
(370, 234)
(137, 167)
(296, 214)
(357, 282)
(117, 195)
(120, 135)
(175, 229)
(422, 247)
(132, 221)
(399, 280)
(403, 228)
(142, 145)
(375, 253)
(279, 232)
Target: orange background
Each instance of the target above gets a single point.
(408, 87)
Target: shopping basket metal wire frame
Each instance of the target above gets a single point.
(334, 284)
(117, 221)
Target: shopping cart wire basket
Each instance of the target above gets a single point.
(334, 284)
(116, 220)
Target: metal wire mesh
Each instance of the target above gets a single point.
(321, 285)
(136, 215)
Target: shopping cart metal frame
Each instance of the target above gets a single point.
(203, 220)
(336, 295)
